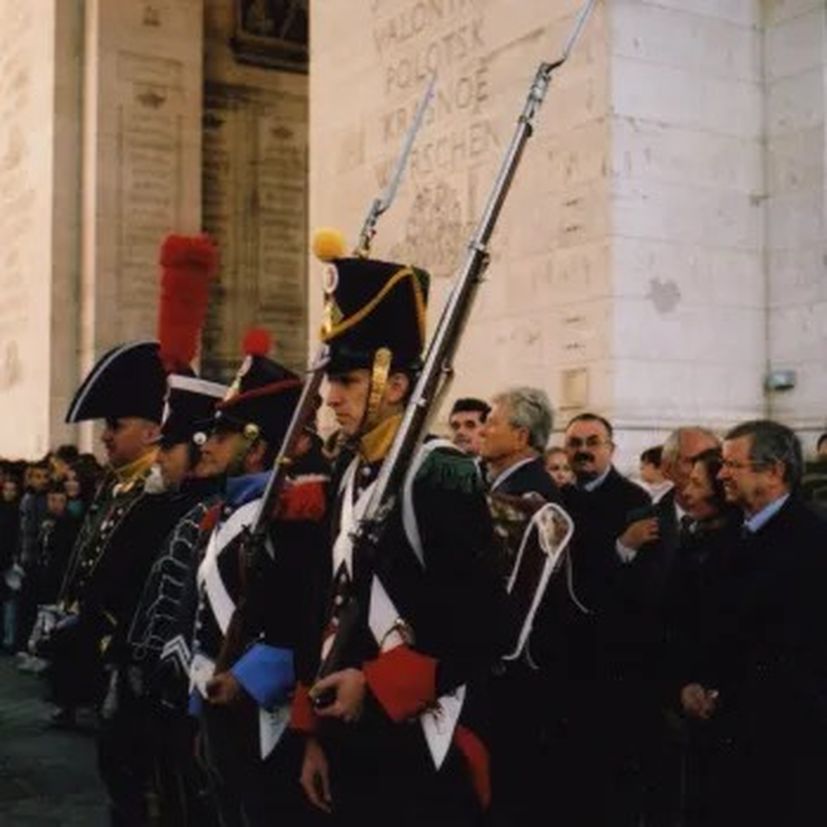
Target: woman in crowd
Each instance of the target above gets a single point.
(705, 546)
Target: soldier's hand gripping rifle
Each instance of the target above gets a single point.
(437, 370)
(255, 536)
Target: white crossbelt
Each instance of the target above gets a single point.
(271, 723)
(438, 723)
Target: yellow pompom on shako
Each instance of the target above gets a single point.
(329, 244)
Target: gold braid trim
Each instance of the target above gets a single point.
(331, 331)
(421, 309)
(131, 473)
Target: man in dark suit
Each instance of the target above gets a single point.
(765, 675)
(591, 637)
(649, 571)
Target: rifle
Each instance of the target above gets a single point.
(437, 370)
(254, 537)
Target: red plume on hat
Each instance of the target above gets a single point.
(256, 342)
(188, 265)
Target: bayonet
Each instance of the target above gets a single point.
(381, 204)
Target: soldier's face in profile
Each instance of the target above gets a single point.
(127, 439)
(219, 452)
(174, 461)
(347, 396)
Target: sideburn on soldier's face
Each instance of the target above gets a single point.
(347, 396)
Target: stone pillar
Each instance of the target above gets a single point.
(255, 186)
(142, 93)
(796, 71)
(38, 218)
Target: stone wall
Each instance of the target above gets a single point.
(255, 199)
(111, 138)
(29, 184)
(795, 48)
(544, 314)
(142, 100)
(672, 194)
(687, 209)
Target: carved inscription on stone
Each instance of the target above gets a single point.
(413, 40)
(255, 206)
(148, 184)
(17, 194)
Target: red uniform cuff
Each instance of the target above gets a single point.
(403, 681)
(302, 714)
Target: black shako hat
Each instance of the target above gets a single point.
(191, 402)
(128, 380)
(371, 305)
(263, 395)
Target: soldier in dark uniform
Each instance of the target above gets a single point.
(126, 389)
(395, 736)
(252, 604)
(157, 687)
(128, 519)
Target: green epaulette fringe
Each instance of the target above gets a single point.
(450, 471)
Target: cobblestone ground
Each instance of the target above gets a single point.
(47, 777)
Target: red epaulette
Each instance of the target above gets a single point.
(303, 498)
(210, 520)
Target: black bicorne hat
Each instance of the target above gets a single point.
(128, 380)
(191, 404)
(371, 305)
(263, 396)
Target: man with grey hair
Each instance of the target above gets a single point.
(670, 517)
(679, 451)
(762, 680)
(513, 440)
(514, 437)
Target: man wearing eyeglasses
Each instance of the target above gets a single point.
(764, 668)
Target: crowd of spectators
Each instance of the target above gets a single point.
(42, 507)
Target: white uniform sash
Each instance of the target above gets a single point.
(209, 576)
(438, 723)
(271, 723)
